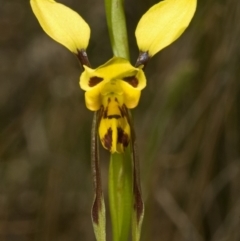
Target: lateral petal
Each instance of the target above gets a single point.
(62, 24)
(163, 23)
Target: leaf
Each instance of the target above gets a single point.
(98, 209)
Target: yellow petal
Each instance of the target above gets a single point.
(93, 98)
(131, 95)
(164, 23)
(114, 129)
(115, 68)
(85, 78)
(62, 24)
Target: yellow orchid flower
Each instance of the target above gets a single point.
(115, 87)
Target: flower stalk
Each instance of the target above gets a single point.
(120, 195)
(121, 164)
(117, 27)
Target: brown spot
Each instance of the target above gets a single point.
(123, 138)
(138, 203)
(101, 109)
(105, 113)
(114, 117)
(96, 209)
(94, 81)
(107, 139)
(116, 100)
(143, 59)
(132, 80)
(121, 111)
(82, 57)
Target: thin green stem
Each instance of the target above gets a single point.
(117, 27)
(120, 195)
(120, 169)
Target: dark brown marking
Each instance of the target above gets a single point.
(94, 81)
(101, 111)
(96, 209)
(124, 111)
(143, 59)
(114, 117)
(116, 99)
(107, 139)
(138, 203)
(132, 80)
(97, 204)
(105, 113)
(123, 138)
(121, 111)
(82, 57)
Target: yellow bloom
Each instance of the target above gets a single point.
(62, 24)
(113, 88)
(163, 23)
(116, 86)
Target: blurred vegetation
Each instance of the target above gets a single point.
(187, 123)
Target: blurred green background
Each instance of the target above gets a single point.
(187, 124)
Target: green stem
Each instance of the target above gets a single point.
(123, 170)
(117, 27)
(120, 195)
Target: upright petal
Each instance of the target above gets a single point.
(115, 68)
(62, 24)
(164, 23)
